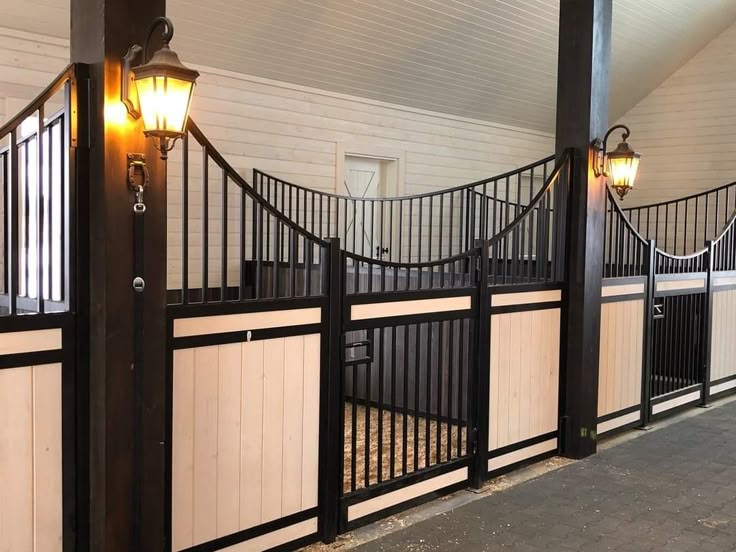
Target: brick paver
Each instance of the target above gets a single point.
(670, 490)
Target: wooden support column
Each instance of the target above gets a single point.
(582, 116)
(126, 488)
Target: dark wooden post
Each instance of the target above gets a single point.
(126, 489)
(582, 116)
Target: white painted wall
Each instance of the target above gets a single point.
(686, 128)
(296, 132)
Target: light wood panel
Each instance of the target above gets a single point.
(525, 298)
(30, 459)
(30, 341)
(206, 325)
(524, 376)
(406, 308)
(620, 366)
(381, 502)
(245, 435)
(723, 341)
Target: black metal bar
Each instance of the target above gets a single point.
(331, 467)
(40, 212)
(14, 226)
(185, 219)
(707, 327)
(223, 239)
(479, 371)
(205, 223)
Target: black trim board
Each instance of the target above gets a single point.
(196, 310)
(619, 413)
(526, 307)
(521, 445)
(35, 358)
(257, 531)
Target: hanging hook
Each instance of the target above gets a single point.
(136, 166)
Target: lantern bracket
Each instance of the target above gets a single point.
(128, 93)
(601, 147)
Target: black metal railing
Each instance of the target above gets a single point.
(678, 350)
(530, 248)
(407, 399)
(724, 247)
(37, 198)
(229, 244)
(418, 228)
(625, 251)
(683, 226)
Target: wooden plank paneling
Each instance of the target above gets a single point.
(182, 461)
(251, 461)
(30, 459)
(228, 438)
(245, 435)
(619, 381)
(47, 465)
(310, 440)
(524, 376)
(16, 459)
(273, 424)
(292, 446)
(205, 444)
(723, 347)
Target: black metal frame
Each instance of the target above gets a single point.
(26, 313)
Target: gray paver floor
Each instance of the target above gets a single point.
(669, 490)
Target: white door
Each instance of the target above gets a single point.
(366, 179)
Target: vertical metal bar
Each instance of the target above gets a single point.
(40, 213)
(185, 219)
(260, 227)
(13, 226)
(241, 257)
(367, 426)
(223, 240)
(417, 406)
(308, 262)
(293, 250)
(428, 399)
(278, 228)
(205, 222)
(707, 327)
(405, 404)
(381, 382)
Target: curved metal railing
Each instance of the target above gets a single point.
(422, 227)
(226, 242)
(683, 226)
(625, 250)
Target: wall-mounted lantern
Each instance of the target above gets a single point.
(160, 90)
(619, 165)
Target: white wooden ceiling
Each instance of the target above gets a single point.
(487, 59)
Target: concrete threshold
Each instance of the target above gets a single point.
(446, 504)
